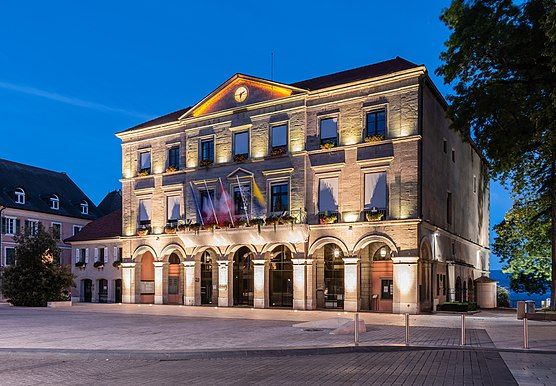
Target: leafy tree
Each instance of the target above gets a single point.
(502, 297)
(501, 58)
(36, 277)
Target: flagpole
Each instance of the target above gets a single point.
(211, 204)
(196, 203)
(243, 200)
(227, 203)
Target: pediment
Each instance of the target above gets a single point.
(239, 91)
(240, 173)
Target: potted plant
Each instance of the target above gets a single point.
(258, 222)
(287, 219)
(195, 227)
(80, 264)
(326, 218)
(181, 227)
(374, 138)
(98, 264)
(240, 157)
(117, 264)
(327, 145)
(205, 163)
(277, 151)
(374, 216)
(143, 231)
(171, 169)
(170, 229)
(144, 172)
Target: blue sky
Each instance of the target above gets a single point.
(74, 73)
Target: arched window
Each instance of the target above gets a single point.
(54, 202)
(84, 207)
(19, 196)
(382, 253)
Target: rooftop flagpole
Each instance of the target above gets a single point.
(211, 203)
(196, 203)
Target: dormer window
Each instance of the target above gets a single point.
(84, 207)
(19, 196)
(54, 202)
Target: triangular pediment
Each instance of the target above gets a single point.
(239, 173)
(241, 90)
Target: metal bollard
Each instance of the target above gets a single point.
(462, 342)
(407, 329)
(525, 334)
(356, 330)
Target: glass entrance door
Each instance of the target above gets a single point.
(103, 291)
(118, 290)
(243, 277)
(206, 278)
(333, 277)
(87, 290)
(281, 278)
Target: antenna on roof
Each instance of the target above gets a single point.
(272, 66)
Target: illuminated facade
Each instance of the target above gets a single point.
(344, 191)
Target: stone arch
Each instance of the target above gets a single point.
(322, 241)
(197, 251)
(173, 248)
(366, 240)
(142, 249)
(425, 249)
(270, 247)
(233, 248)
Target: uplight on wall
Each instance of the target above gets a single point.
(350, 216)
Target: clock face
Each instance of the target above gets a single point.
(241, 94)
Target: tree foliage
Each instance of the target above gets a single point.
(36, 277)
(501, 59)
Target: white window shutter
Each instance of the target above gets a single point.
(86, 255)
(96, 254)
(77, 255)
(115, 255)
(106, 259)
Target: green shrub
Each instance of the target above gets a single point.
(458, 306)
(503, 297)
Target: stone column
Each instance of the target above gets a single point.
(451, 294)
(406, 286)
(190, 284)
(159, 282)
(299, 284)
(225, 283)
(351, 283)
(128, 282)
(260, 273)
(311, 284)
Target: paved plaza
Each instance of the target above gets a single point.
(120, 343)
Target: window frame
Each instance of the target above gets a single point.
(376, 110)
(212, 151)
(271, 184)
(287, 128)
(79, 229)
(449, 209)
(139, 166)
(35, 227)
(10, 219)
(148, 221)
(234, 135)
(171, 148)
(55, 202)
(244, 185)
(60, 231)
(322, 140)
(5, 257)
(390, 294)
(84, 207)
(20, 196)
(168, 220)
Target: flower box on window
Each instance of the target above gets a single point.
(143, 231)
(278, 151)
(328, 218)
(374, 138)
(240, 157)
(171, 169)
(117, 264)
(205, 163)
(375, 214)
(98, 264)
(327, 145)
(144, 172)
(170, 229)
(80, 264)
(195, 227)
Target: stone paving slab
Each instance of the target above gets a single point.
(420, 367)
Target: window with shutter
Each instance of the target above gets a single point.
(96, 254)
(86, 255)
(106, 255)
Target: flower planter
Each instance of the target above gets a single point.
(143, 232)
(327, 146)
(171, 169)
(98, 264)
(117, 264)
(170, 230)
(206, 163)
(240, 158)
(374, 216)
(143, 173)
(80, 264)
(277, 152)
(374, 138)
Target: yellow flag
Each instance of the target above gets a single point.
(257, 193)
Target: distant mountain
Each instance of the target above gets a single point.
(504, 281)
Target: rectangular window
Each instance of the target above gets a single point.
(31, 227)
(57, 230)
(174, 158)
(173, 285)
(9, 225)
(145, 161)
(10, 256)
(443, 284)
(279, 197)
(101, 255)
(207, 202)
(144, 212)
(375, 191)
(453, 155)
(239, 209)
(207, 150)
(445, 146)
(437, 284)
(279, 137)
(241, 144)
(376, 123)
(329, 131)
(474, 184)
(173, 208)
(387, 289)
(328, 194)
(76, 229)
(449, 208)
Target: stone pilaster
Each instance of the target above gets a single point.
(128, 282)
(406, 286)
(159, 282)
(351, 283)
(261, 271)
(299, 284)
(225, 283)
(451, 294)
(190, 284)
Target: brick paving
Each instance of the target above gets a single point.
(418, 367)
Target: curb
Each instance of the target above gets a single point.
(247, 352)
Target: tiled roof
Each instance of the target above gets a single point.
(39, 186)
(361, 73)
(356, 74)
(103, 228)
(111, 202)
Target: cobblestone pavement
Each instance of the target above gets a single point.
(531, 369)
(419, 367)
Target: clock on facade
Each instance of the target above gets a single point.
(240, 94)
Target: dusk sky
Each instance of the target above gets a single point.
(74, 73)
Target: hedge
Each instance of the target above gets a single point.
(457, 307)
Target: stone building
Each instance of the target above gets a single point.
(348, 190)
(97, 256)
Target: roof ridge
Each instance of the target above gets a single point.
(32, 166)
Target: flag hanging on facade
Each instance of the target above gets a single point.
(259, 203)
